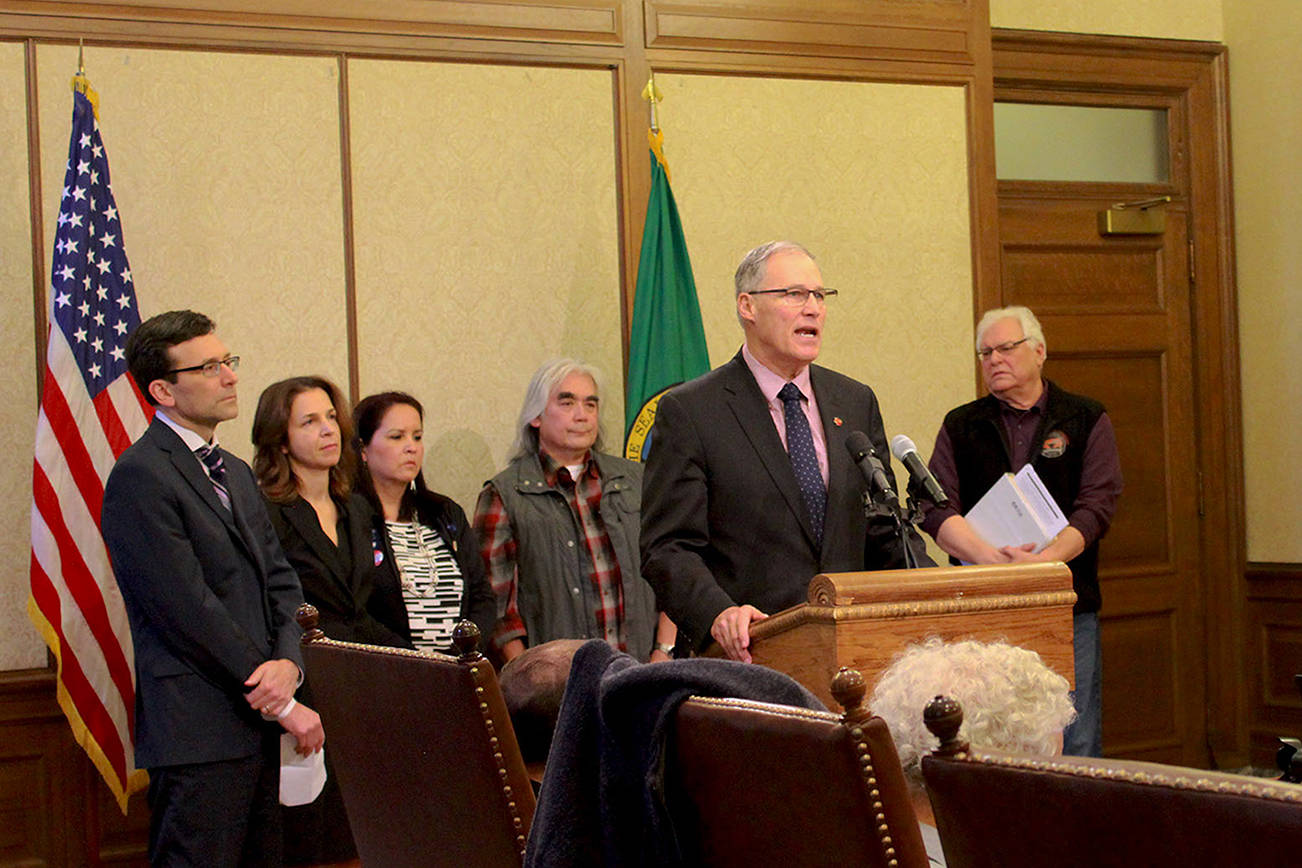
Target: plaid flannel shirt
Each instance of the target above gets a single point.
(499, 549)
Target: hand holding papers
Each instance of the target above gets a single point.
(1017, 509)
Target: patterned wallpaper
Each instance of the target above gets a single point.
(487, 243)
(1164, 19)
(226, 172)
(872, 178)
(1264, 38)
(20, 646)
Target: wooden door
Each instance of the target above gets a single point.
(1143, 323)
(1115, 312)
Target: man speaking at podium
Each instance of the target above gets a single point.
(749, 489)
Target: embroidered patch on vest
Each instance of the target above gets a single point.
(1054, 444)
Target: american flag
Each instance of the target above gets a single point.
(90, 412)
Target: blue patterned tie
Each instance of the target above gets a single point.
(800, 447)
(212, 459)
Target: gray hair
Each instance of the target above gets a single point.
(754, 265)
(544, 382)
(1030, 325)
(1011, 700)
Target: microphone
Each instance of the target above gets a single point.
(903, 449)
(865, 458)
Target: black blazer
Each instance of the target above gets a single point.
(209, 595)
(478, 602)
(361, 604)
(723, 521)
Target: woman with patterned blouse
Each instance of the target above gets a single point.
(426, 534)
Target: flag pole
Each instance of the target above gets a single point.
(81, 83)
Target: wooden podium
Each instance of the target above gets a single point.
(862, 620)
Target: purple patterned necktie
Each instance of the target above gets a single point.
(212, 459)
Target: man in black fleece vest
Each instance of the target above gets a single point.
(1027, 419)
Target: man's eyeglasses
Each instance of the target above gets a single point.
(213, 368)
(1003, 349)
(796, 296)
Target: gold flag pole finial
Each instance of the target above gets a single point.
(81, 83)
(652, 94)
(655, 138)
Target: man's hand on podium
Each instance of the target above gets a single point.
(731, 629)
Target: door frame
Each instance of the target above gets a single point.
(1035, 66)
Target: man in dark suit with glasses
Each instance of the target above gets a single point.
(750, 490)
(211, 601)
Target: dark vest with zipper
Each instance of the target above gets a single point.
(982, 453)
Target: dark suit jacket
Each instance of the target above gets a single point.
(361, 604)
(209, 595)
(723, 521)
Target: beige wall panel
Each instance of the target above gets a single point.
(487, 241)
(20, 645)
(1265, 42)
(873, 179)
(226, 172)
(1163, 19)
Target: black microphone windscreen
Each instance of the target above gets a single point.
(859, 445)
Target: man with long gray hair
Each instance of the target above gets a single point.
(558, 528)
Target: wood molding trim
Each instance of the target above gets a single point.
(1274, 656)
(946, 32)
(40, 318)
(593, 22)
(350, 252)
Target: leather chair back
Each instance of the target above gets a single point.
(425, 754)
(752, 783)
(1016, 811)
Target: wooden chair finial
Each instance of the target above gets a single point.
(465, 636)
(848, 689)
(943, 716)
(308, 617)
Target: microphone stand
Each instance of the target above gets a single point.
(879, 504)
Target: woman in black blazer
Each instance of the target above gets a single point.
(425, 535)
(304, 465)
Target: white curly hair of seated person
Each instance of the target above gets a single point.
(1011, 700)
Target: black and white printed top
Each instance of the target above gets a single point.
(431, 583)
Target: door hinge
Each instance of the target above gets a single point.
(1202, 511)
(1191, 262)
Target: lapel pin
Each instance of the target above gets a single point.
(836, 420)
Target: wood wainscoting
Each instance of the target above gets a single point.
(55, 810)
(1273, 655)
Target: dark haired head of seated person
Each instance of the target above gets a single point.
(1012, 702)
(532, 685)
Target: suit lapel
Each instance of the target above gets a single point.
(752, 413)
(303, 517)
(188, 466)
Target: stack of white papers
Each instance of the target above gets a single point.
(1017, 509)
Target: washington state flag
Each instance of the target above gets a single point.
(667, 342)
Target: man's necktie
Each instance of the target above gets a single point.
(212, 459)
(800, 447)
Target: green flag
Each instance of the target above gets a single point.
(667, 343)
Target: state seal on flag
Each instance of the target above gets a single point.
(637, 446)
